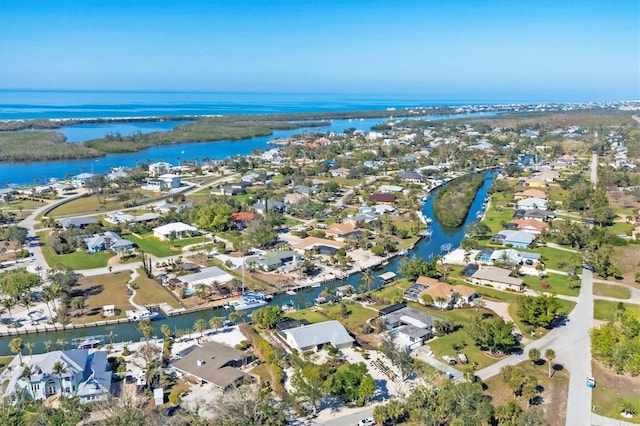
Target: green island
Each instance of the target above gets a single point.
(452, 203)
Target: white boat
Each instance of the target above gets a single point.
(248, 301)
(141, 315)
(89, 343)
(291, 292)
(316, 285)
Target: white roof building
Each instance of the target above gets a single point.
(315, 336)
(179, 229)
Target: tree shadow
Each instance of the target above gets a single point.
(557, 367)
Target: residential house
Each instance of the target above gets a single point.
(386, 189)
(518, 239)
(215, 363)
(410, 327)
(207, 276)
(411, 177)
(174, 230)
(383, 198)
(107, 241)
(324, 246)
(313, 337)
(80, 181)
(117, 173)
(272, 206)
(159, 168)
(532, 203)
(531, 226)
(533, 183)
(497, 277)
(346, 231)
(342, 172)
(537, 214)
(166, 182)
(485, 254)
(514, 256)
(294, 198)
(6, 194)
(76, 222)
(530, 193)
(443, 295)
(272, 260)
(241, 218)
(167, 208)
(84, 375)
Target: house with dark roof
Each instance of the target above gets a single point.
(76, 222)
(385, 198)
(215, 363)
(412, 177)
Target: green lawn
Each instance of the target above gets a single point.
(622, 228)
(607, 399)
(558, 259)
(151, 245)
(497, 214)
(149, 292)
(358, 314)
(313, 316)
(75, 261)
(605, 311)
(610, 290)
(558, 284)
(183, 242)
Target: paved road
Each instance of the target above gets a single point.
(346, 419)
(594, 169)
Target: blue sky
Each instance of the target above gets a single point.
(446, 49)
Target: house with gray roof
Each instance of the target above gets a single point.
(413, 177)
(107, 241)
(84, 375)
(497, 277)
(207, 276)
(76, 222)
(519, 239)
(513, 255)
(315, 336)
(215, 363)
(272, 206)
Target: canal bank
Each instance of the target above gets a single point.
(442, 240)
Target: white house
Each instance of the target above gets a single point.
(159, 168)
(64, 373)
(532, 203)
(166, 182)
(79, 181)
(178, 229)
(315, 336)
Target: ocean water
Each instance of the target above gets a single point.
(30, 104)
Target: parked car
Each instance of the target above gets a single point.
(367, 422)
(591, 382)
(463, 358)
(449, 360)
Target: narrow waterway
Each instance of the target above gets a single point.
(426, 249)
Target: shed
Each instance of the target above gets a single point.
(109, 310)
(387, 276)
(158, 396)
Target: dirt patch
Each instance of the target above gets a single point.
(628, 260)
(611, 389)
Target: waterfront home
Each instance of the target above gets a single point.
(159, 168)
(497, 277)
(273, 260)
(313, 337)
(365, 218)
(324, 246)
(77, 222)
(208, 276)
(546, 176)
(531, 226)
(377, 209)
(532, 203)
(443, 295)
(117, 173)
(408, 326)
(72, 373)
(215, 363)
(346, 231)
(411, 177)
(386, 189)
(107, 241)
(80, 181)
(485, 254)
(6, 194)
(518, 239)
(174, 230)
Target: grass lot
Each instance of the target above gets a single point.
(460, 338)
(611, 389)
(496, 215)
(554, 394)
(75, 261)
(22, 204)
(558, 284)
(558, 259)
(622, 228)
(100, 290)
(627, 259)
(183, 242)
(85, 205)
(232, 236)
(605, 311)
(151, 245)
(313, 315)
(607, 290)
(358, 314)
(149, 292)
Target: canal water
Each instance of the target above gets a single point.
(441, 238)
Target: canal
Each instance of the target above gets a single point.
(426, 248)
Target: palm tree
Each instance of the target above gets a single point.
(367, 279)
(9, 303)
(16, 346)
(47, 345)
(62, 343)
(27, 301)
(234, 316)
(30, 346)
(59, 369)
(200, 325)
(49, 295)
(145, 328)
(215, 323)
(110, 336)
(550, 355)
(166, 331)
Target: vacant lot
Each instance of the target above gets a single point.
(608, 290)
(149, 292)
(553, 283)
(605, 311)
(151, 245)
(100, 290)
(77, 260)
(611, 390)
(627, 258)
(553, 395)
